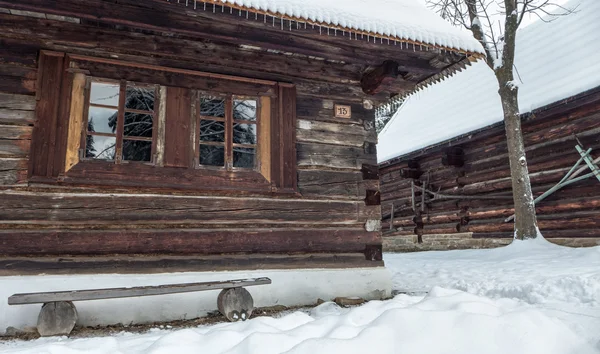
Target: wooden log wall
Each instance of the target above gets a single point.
(570, 216)
(326, 223)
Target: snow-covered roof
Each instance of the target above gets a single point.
(554, 60)
(401, 20)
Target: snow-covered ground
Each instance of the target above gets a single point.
(529, 297)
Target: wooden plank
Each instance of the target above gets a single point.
(18, 52)
(12, 116)
(44, 133)
(14, 148)
(334, 184)
(75, 126)
(13, 171)
(138, 291)
(15, 132)
(183, 241)
(333, 156)
(178, 120)
(264, 138)
(9, 101)
(17, 85)
(288, 137)
(58, 208)
(334, 133)
(169, 264)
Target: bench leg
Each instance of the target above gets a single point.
(235, 304)
(57, 318)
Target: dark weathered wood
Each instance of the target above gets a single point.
(287, 107)
(137, 291)
(155, 209)
(334, 133)
(550, 152)
(329, 183)
(236, 304)
(177, 137)
(168, 264)
(14, 148)
(48, 99)
(56, 318)
(15, 102)
(183, 241)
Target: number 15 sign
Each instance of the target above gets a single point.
(343, 111)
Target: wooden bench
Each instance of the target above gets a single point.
(59, 315)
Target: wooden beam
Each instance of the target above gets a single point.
(117, 293)
(376, 77)
(10, 266)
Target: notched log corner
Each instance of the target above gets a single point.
(374, 252)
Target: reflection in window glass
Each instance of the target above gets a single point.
(243, 157)
(105, 94)
(244, 109)
(140, 98)
(212, 155)
(244, 133)
(100, 147)
(211, 130)
(139, 125)
(102, 120)
(212, 106)
(134, 150)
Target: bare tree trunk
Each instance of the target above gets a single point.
(525, 218)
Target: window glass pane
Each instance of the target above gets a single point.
(139, 125)
(212, 155)
(244, 109)
(134, 150)
(140, 98)
(106, 94)
(102, 120)
(243, 157)
(211, 130)
(212, 106)
(244, 133)
(100, 147)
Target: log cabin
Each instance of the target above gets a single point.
(449, 139)
(151, 142)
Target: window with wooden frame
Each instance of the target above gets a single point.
(129, 124)
(119, 121)
(227, 131)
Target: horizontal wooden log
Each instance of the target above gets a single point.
(13, 116)
(13, 171)
(57, 208)
(10, 266)
(323, 155)
(16, 102)
(329, 183)
(439, 229)
(333, 133)
(15, 132)
(542, 208)
(178, 241)
(14, 148)
(17, 85)
(19, 53)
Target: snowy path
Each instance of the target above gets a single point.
(527, 298)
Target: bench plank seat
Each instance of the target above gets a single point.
(113, 293)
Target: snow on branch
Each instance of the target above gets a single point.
(492, 22)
